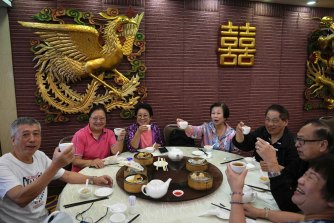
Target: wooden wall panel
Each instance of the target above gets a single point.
(183, 74)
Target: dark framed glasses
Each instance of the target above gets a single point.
(302, 141)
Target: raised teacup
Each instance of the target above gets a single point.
(183, 124)
(118, 131)
(246, 129)
(238, 166)
(65, 145)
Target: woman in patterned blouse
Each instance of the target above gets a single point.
(216, 132)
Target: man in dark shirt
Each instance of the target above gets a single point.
(274, 132)
(313, 140)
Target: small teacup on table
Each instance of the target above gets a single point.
(117, 218)
(238, 166)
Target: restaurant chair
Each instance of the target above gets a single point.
(174, 136)
(329, 120)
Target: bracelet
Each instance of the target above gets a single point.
(234, 193)
(273, 174)
(236, 202)
(266, 214)
(91, 179)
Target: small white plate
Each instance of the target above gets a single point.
(160, 163)
(197, 153)
(103, 191)
(147, 150)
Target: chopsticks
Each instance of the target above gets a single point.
(105, 165)
(260, 188)
(134, 218)
(229, 210)
(203, 151)
(221, 207)
(231, 160)
(84, 202)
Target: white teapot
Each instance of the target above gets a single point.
(156, 188)
(175, 154)
(249, 194)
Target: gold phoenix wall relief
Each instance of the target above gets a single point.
(77, 58)
(320, 66)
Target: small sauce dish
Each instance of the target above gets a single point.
(178, 193)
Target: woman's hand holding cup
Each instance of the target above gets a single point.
(181, 123)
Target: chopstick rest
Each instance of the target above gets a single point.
(84, 202)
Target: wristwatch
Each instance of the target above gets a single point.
(91, 179)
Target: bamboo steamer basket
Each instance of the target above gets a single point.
(134, 187)
(196, 167)
(144, 159)
(200, 180)
(131, 171)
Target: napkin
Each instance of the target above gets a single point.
(220, 213)
(250, 166)
(110, 160)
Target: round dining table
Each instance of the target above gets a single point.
(151, 211)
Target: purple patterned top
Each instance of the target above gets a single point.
(207, 132)
(132, 129)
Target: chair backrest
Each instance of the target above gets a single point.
(176, 137)
(329, 120)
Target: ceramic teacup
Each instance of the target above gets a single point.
(85, 192)
(117, 218)
(208, 148)
(246, 129)
(118, 131)
(238, 166)
(183, 124)
(65, 145)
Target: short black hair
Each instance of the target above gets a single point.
(22, 121)
(324, 166)
(323, 131)
(283, 112)
(97, 107)
(145, 106)
(226, 111)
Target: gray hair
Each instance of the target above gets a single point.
(22, 121)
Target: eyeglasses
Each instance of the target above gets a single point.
(302, 141)
(142, 116)
(95, 119)
(80, 217)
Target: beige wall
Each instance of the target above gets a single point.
(7, 103)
